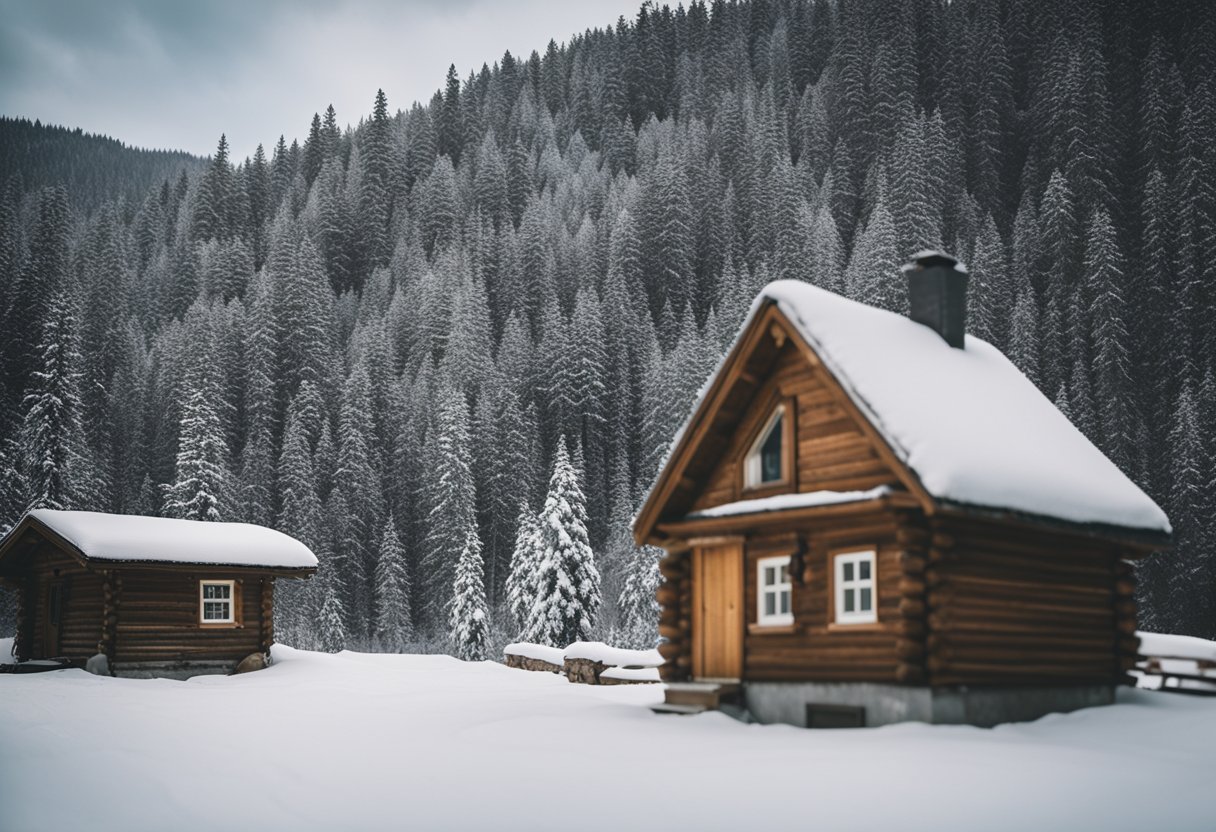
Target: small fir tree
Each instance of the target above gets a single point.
(393, 628)
(470, 618)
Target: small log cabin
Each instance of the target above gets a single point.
(872, 518)
(156, 596)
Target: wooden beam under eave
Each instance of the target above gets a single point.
(735, 523)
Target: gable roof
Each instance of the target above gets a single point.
(967, 426)
(124, 538)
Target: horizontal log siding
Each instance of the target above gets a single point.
(80, 618)
(158, 619)
(832, 453)
(817, 650)
(1010, 607)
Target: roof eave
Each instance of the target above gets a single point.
(698, 526)
(1143, 541)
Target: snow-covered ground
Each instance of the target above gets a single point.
(357, 741)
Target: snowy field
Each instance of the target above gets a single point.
(356, 741)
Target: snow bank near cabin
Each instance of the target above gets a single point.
(968, 422)
(597, 651)
(552, 655)
(122, 537)
(1176, 647)
(632, 674)
(371, 742)
(781, 502)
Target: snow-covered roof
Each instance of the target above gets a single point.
(967, 422)
(121, 537)
(782, 502)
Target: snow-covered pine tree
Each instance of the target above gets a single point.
(521, 585)
(49, 449)
(199, 476)
(568, 583)
(331, 620)
(639, 609)
(394, 627)
(470, 617)
(449, 501)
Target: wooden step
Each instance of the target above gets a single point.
(687, 710)
(705, 695)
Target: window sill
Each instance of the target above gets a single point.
(772, 629)
(220, 625)
(860, 626)
(766, 489)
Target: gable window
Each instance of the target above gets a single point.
(855, 588)
(765, 459)
(773, 606)
(216, 602)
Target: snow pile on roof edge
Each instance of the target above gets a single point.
(124, 537)
(783, 502)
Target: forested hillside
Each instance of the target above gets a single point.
(385, 338)
(94, 169)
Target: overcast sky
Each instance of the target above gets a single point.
(155, 73)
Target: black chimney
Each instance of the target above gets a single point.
(937, 289)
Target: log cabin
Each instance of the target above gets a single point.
(158, 597)
(872, 518)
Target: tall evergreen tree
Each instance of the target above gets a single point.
(567, 581)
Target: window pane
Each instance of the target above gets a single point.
(768, 576)
(770, 453)
(865, 599)
(785, 574)
(785, 603)
(770, 604)
(848, 600)
(848, 570)
(863, 567)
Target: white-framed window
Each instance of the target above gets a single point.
(855, 588)
(766, 455)
(217, 603)
(774, 604)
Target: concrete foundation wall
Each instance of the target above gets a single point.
(786, 702)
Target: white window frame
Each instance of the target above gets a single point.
(753, 468)
(857, 616)
(230, 601)
(777, 619)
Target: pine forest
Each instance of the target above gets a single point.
(448, 346)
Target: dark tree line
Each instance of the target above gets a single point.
(388, 335)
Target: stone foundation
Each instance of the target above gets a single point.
(786, 702)
(525, 663)
(171, 670)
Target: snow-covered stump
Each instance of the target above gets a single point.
(535, 657)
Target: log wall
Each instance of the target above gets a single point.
(815, 648)
(80, 618)
(158, 618)
(832, 452)
(1007, 605)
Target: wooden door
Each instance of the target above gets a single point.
(717, 627)
(54, 618)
